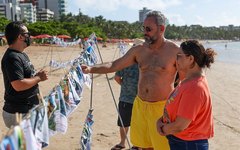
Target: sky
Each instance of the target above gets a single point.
(179, 12)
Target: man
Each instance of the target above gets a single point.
(20, 79)
(128, 79)
(156, 60)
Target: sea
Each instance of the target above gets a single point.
(227, 51)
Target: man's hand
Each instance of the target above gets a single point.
(86, 69)
(42, 74)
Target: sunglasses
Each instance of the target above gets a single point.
(147, 29)
(26, 33)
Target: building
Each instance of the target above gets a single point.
(142, 14)
(44, 14)
(28, 11)
(59, 7)
(10, 9)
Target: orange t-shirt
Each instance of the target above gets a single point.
(191, 100)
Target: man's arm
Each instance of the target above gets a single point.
(128, 59)
(27, 83)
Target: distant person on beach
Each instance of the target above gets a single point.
(20, 79)
(188, 120)
(156, 59)
(128, 79)
(226, 46)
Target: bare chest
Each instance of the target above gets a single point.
(154, 61)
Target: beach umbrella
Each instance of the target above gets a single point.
(32, 37)
(42, 36)
(99, 39)
(64, 37)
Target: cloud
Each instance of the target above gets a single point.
(176, 19)
(226, 19)
(113, 5)
(199, 20)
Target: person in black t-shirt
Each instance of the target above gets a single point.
(20, 79)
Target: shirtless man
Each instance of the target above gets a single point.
(156, 59)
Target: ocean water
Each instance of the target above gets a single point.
(228, 52)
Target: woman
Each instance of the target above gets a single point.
(187, 120)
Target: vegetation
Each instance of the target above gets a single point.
(81, 26)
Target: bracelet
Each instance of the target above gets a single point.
(161, 128)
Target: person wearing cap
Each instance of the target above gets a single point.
(20, 79)
(156, 59)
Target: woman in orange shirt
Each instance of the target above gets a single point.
(187, 120)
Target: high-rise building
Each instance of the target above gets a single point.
(28, 11)
(143, 13)
(3, 1)
(59, 7)
(10, 9)
(44, 14)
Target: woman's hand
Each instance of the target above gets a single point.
(160, 125)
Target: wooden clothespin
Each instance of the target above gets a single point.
(18, 118)
(41, 100)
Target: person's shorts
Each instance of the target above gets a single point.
(10, 118)
(125, 111)
(143, 131)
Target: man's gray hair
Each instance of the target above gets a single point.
(160, 18)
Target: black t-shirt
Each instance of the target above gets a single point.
(17, 66)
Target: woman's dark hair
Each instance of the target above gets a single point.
(12, 31)
(203, 57)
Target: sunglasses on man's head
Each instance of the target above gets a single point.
(147, 29)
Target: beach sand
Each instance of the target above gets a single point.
(223, 78)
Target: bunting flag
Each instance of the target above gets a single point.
(87, 132)
(88, 57)
(60, 42)
(122, 48)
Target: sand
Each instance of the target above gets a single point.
(223, 78)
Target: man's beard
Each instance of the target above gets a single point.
(149, 40)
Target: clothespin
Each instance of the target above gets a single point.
(18, 119)
(41, 100)
(10, 131)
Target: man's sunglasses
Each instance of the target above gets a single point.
(26, 33)
(147, 29)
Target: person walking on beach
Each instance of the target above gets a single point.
(156, 60)
(128, 79)
(20, 79)
(188, 121)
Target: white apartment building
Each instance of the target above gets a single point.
(10, 9)
(28, 12)
(44, 14)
